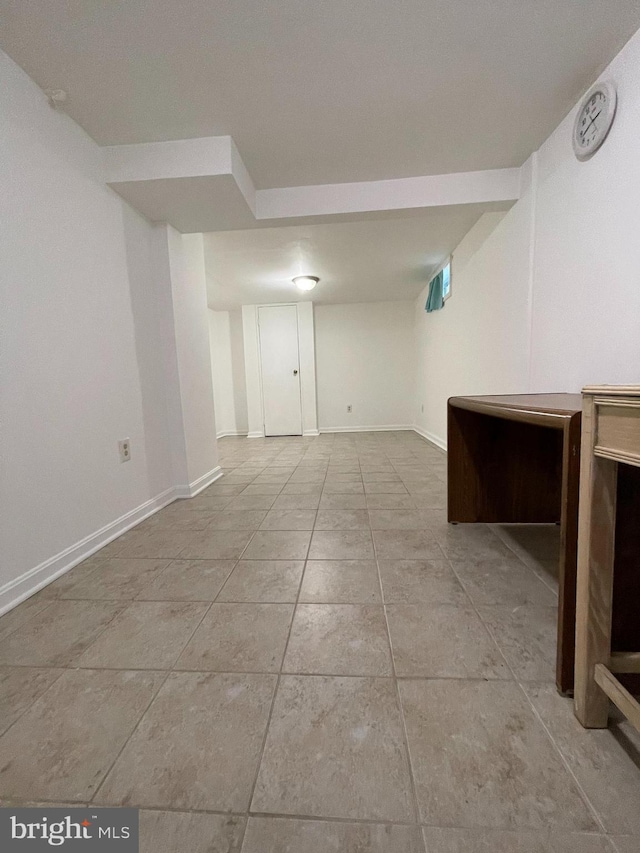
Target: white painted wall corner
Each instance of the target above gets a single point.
(438, 442)
(24, 586)
(17, 590)
(194, 488)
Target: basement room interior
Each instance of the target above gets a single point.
(320, 415)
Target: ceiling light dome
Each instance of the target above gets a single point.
(306, 282)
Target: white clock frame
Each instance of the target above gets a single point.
(611, 100)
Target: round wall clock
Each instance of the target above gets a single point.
(594, 119)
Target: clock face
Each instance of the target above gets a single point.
(594, 120)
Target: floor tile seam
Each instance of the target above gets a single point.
(524, 830)
(474, 607)
(592, 810)
(405, 735)
(545, 580)
(127, 604)
(519, 679)
(204, 671)
(72, 664)
(276, 689)
(179, 600)
(192, 635)
(369, 604)
(590, 807)
(244, 550)
(386, 603)
(472, 603)
(363, 821)
(495, 603)
(49, 601)
(205, 559)
(154, 695)
(236, 563)
(455, 605)
(76, 663)
(611, 841)
(521, 560)
(37, 698)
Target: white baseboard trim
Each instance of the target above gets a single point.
(257, 434)
(310, 432)
(389, 428)
(440, 443)
(198, 485)
(17, 590)
(231, 432)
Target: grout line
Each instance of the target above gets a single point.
(154, 695)
(399, 678)
(246, 815)
(191, 636)
(133, 731)
(48, 602)
(497, 532)
(37, 698)
(482, 622)
(226, 581)
(336, 819)
(275, 694)
(405, 734)
(590, 808)
(394, 461)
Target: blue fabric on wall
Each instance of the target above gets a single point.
(435, 300)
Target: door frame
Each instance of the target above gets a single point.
(253, 367)
(262, 406)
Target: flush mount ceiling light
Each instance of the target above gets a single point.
(306, 282)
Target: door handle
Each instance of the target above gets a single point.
(295, 372)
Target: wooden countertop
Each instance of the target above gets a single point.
(546, 409)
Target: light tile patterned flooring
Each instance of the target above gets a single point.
(307, 658)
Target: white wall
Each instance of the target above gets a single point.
(477, 344)
(227, 368)
(255, 416)
(77, 280)
(95, 301)
(238, 371)
(586, 310)
(191, 323)
(550, 300)
(222, 373)
(365, 358)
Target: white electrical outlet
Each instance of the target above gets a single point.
(348, 408)
(124, 448)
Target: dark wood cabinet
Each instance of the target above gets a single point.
(516, 459)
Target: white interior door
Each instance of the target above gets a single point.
(280, 364)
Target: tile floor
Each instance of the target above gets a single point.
(306, 658)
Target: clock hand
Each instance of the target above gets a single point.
(593, 120)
